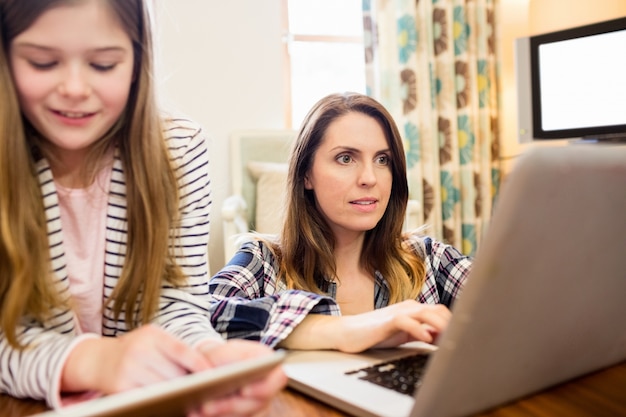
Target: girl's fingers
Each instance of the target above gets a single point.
(148, 355)
(266, 387)
(177, 353)
(234, 405)
(254, 398)
(233, 351)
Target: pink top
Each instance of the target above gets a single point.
(83, 216)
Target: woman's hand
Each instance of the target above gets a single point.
(386, 327)
(393, 325)
(253, 399)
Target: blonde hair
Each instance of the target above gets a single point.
(26, 279)
(306, 242)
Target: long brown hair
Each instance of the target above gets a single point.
(26, 280)
(307, 242)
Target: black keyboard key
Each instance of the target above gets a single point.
(402, 375)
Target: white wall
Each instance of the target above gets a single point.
(220, 63)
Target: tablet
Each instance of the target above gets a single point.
(175, 396)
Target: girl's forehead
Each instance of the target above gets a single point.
(88, 24)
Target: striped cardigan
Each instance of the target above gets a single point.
(183, 311)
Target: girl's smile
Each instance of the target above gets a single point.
(73, 89)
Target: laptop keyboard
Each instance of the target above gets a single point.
(402, 375)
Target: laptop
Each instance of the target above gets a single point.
(544, 302)
(174, 397)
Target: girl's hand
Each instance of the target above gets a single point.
(142, 357)
(253, 399)
(149, 354)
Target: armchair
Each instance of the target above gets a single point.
(259, 174)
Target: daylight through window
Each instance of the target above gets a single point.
(323, 52)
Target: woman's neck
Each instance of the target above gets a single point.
(348, 252)
(355, 285)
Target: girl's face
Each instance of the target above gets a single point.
(351, 175)
(73, 69)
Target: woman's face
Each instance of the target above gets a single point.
(351, 175)
(73, 69)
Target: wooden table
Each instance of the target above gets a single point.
(596, 395)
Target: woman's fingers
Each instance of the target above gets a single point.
(435, 316)
(424, 322)
(393, 325)
(413, 328)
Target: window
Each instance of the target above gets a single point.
(323, 52)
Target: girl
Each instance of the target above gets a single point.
(104, 213)
(341, 275)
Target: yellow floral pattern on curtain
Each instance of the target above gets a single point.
(433, 64)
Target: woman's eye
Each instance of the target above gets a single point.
(344, 159)
(103, 67)
(383, 160)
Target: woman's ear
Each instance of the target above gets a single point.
(307, 183)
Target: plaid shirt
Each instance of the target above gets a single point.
(250, 303)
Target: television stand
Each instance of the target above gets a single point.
(612, 138)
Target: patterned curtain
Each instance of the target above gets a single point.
(433, 64)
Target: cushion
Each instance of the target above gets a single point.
(271, 184)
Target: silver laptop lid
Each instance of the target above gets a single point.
(545, 300)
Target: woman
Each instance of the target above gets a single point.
(341, 275)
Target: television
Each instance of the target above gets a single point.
(571, 84)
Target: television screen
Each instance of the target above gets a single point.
(576, 79)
